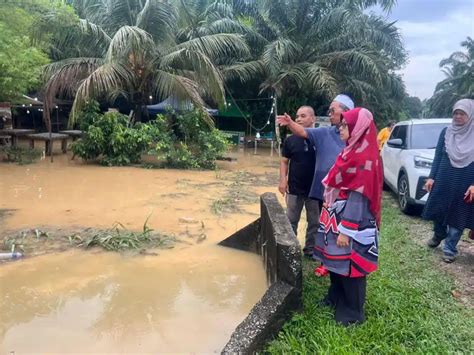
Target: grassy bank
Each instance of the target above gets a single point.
(409, 308)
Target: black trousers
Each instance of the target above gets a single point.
(347, 296)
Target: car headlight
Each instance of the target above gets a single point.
(423, 163)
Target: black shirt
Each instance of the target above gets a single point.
(302, 157)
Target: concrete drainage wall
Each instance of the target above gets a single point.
(272, 237)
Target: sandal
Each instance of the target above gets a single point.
(321, 271)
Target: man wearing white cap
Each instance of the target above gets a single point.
(326, 140)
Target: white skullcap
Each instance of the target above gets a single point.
(345, 100)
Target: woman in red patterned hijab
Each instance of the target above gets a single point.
(358, 168)
(347, 239)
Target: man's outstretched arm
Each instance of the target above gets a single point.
(285, 120)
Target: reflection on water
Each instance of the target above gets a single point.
(187, 299)
(83, 302)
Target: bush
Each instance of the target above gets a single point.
(110, 139)
(192, 144)
(20, 155)
(185, 143)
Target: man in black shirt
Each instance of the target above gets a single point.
(296, 175)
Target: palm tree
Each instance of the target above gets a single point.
(325, 47)
(134, 49)
(459, 82)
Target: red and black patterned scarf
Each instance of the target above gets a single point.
(358, 167)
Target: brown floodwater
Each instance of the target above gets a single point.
(186, 299)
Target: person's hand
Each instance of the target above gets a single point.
(283, 187)
(342, 240)
(429, 185)
(284, 120)
(469, 195)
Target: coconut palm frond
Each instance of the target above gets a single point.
(243, 71)
(279, 52)
(386, 5)
(129, 39)
(62, 78)
(157, 18)
(218, 45)
(210, 78)
(321, 79)
(107, 78)
(365, 62)
(115, 94)
(166, 84)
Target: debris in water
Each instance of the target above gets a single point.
(187, 220)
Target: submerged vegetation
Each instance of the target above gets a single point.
(117, 239)
(20, 155)
(182, 141)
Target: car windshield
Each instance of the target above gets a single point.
(425, 136)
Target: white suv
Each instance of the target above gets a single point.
(407, 159)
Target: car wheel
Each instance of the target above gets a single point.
(404, 195)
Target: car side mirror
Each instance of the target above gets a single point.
(395, 143)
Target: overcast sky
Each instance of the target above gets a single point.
(431, 30)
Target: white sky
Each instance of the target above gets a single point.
(431, 30)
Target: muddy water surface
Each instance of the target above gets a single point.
(187, 299)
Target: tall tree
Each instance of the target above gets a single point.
(459, 82)
(134, 49)
(21, 58)
(318, 48)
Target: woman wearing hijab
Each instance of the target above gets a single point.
(346, 242)
(450, 204)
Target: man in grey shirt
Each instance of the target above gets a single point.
(326, 141)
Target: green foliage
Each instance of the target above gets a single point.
(89, 115)
(459, 82)
(26, 40)
(20, 155)
(20, 63)
(191, 143)
(409, 308)
(187, 144)
(316, 49)
(413, 107)
(111, 139)
(134, 49)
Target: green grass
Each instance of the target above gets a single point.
(409, 307)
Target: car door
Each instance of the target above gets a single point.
(388, 157)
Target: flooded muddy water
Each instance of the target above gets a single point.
(186, 299)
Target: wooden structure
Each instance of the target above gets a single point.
(74, 133)
(4, 139)
(15, 133)
(49, 139)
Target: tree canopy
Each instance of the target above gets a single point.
(143, 51)
(20, 59)
(459, 81)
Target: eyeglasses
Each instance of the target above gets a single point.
(342, 125)
(331, 111)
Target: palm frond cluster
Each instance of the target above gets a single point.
(190, 49)
(459, 82)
